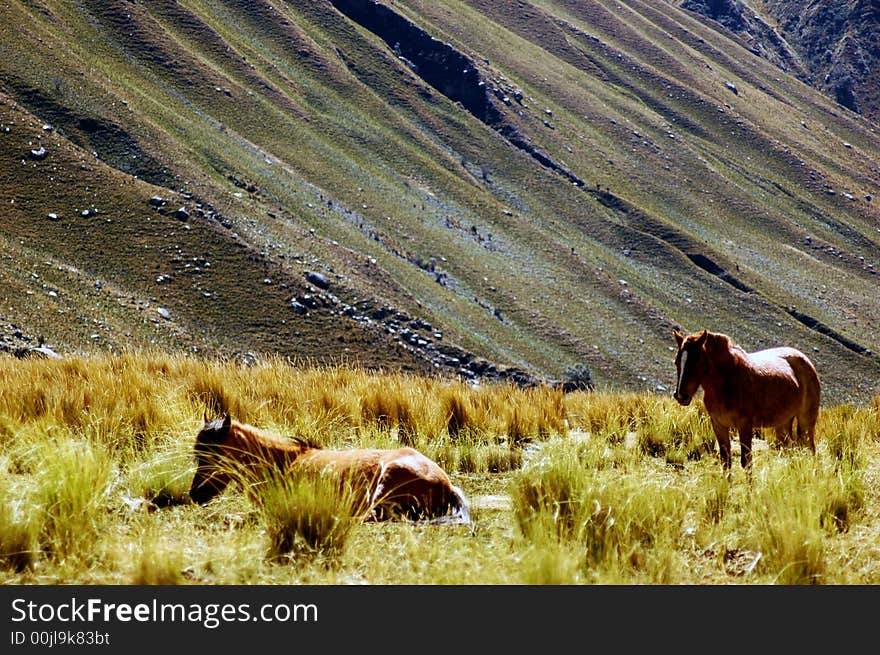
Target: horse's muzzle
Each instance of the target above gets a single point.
(201, 495)
(683, 399)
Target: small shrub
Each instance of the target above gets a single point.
(577, 377)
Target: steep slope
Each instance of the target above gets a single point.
(832, 45)
(558, 184)
(840, 43)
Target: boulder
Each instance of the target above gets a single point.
(317, 279)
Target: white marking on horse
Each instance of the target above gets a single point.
(681, 365)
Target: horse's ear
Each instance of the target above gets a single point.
(679, 337)
(227, 421)
(702, 338)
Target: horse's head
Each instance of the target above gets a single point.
(211, 476)
(690, 364)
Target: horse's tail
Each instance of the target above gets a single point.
(460, 509)
(811, 388)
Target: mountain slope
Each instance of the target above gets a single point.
(559, 184)
(834, 46)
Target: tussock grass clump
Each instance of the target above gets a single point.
(595, 412)
(457, 407)
(116, 402)
(534, 414)
(517, 428)
(162, 478)
(716, 497)
(676, 434)
(381, 409)
(71, 497)
(547, 561)
(18, 544)
(848, 433)
(394, 405)
(309, 516)
(213, 389)
(796, 506)
(157, 562)
(614, 417)
(846, 430)
(619, 520)
(474, 455)
(499, 458)
(547, 497)
(18, 532)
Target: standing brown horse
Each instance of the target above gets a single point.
(393, 483)
(744, 391)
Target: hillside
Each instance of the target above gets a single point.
(433, 186)
(833, 46)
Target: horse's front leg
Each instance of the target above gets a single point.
(722, 435)
(745, 445)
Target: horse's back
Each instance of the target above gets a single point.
(344, 461)
(785, 376)
(784, 361)
(373, 462)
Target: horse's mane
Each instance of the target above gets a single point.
(728, 341)
(263, 437)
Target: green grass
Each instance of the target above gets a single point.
(623, 490)
(72, 478)
(309, 517)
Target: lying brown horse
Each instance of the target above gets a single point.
(745, 391)
(392, 483)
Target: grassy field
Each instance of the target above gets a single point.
(584, 488)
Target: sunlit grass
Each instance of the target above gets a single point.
(622, 523)
(309, 516)
(581, 488)
(70, 497)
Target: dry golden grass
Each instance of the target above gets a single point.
(584, 488)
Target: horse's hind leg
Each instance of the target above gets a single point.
(805, 432)
(785, 434)
(745, 445)
(407, 493)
